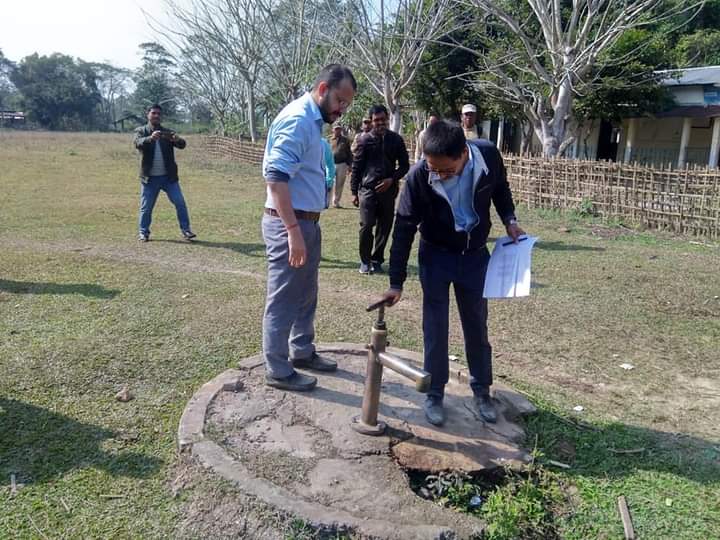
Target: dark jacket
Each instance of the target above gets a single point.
(420, 205)
(341, 150)
(377, 158)
(146, 146)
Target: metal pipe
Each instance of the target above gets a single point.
(367, 423)
(420, 377)
(373, 378)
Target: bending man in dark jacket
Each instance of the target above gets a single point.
(448, 194)
(380, 161)
(159, 172)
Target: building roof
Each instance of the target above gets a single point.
(691, 111)
(691, 76)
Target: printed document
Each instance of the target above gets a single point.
(508, 274)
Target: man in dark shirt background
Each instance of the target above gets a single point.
(380, 161)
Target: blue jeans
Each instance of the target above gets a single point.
(289, 320)
(148, 196)
(438, 269)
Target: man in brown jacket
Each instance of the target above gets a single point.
(343, 159)
(159, 172)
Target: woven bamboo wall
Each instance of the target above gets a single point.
(685, 201)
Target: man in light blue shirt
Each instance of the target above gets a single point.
(294, 171)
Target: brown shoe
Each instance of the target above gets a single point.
(315, 362)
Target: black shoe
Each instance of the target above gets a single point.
(296, 382)
(144, 237)
(365, 269)
(188, 235)
(377, 268)
(434, 411)
(485, 407)
(315, 362)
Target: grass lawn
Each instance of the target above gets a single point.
(85, 310)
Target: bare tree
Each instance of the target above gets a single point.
(292, 42)
(113, 84)
(204, 75)
(234, 32)
(385, 41)
(554, 50)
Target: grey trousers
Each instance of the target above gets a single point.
(289, 320)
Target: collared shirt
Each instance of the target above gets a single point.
(294, 154)
(459, 191)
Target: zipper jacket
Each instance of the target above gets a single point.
(425, 206)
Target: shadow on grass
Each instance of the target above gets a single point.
(258, 250)
(252, 249)
(37, 445)
(617, 450)
(561, 246)
(30, 287)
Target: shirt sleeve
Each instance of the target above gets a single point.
(284, 155)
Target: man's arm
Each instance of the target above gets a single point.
(141, 141)
(178, 142)
(282, 161)
(280, 193)
(358, 167)
(403, 161)
(503, 201)
(407, 219)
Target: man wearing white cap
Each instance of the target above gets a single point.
(469, 116)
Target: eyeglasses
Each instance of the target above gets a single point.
(442, 173)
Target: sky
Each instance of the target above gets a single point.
(94, 30)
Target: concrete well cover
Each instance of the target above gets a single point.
(298, 452)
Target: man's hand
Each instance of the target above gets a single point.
(296, 245)
(514, 231)
(384, 185)
(356, 201)
(391, 297)
(156, 135)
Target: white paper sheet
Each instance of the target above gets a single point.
(508, 274)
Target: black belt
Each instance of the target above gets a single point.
(300, 214)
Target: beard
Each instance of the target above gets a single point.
(328, 115)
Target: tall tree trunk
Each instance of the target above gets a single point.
(251, 113)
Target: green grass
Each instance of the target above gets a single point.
(86, 310)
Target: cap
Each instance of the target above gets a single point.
(468, 107)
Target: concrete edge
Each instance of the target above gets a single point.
(192, 422)
(214, 457)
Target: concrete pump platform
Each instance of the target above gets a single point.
(297, 451)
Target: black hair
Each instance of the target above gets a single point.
(154, 106)
(377, 109)
(444, 138)
(333, 75)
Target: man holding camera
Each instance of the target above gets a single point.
(159, 172)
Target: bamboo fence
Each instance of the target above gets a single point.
(684, 201)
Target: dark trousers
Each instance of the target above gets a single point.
(377, 212)
(438, 269)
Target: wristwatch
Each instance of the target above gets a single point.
(512, 221)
